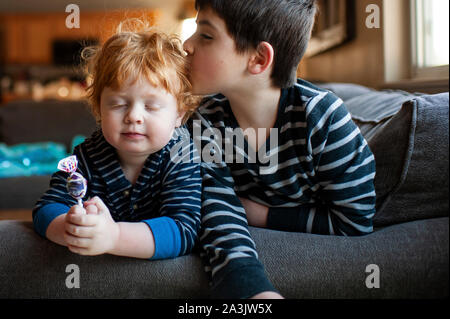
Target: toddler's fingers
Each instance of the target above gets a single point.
(79, 231)
(97, 202)
(82, 219)
(80, 251)
(76, 241)
(91, 209)
(76, 209)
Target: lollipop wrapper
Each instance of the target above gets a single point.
(68, 164)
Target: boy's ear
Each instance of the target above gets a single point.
(261, 59)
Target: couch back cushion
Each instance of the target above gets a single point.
(345, 91)
(408, 135)
(46, 121)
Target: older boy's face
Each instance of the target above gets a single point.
(216, 67)
(138, 119)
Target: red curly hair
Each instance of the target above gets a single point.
(136, 52)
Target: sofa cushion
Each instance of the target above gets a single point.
(46, 121)
(419, 188)
(412, 258)
(104, 276)
(373, 110)
(345, 91)
(408, 135)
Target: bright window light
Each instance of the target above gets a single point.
(432, 31)
(188, 28)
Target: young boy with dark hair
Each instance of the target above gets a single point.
(321, 180)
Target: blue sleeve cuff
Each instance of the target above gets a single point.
(167, 237)
(46, 214)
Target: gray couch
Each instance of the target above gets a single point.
(410, 245)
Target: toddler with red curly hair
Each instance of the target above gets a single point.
(142, 200)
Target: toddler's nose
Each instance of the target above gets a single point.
(134, 115)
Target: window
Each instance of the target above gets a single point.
(188, 28)
(334, 25)
(430, 35)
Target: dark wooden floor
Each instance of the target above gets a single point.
(18, 214)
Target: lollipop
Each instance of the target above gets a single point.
(76, 183)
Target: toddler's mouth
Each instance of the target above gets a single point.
(133, 135)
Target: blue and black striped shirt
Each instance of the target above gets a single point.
(317, 178)
(166, 196)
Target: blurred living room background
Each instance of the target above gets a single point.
(378, 43)
(40, 55)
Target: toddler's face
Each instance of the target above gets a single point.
(138, 119)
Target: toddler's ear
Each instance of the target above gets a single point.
(261, 59)
(180, 119)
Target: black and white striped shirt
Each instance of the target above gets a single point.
(166, 195)
(321, 182)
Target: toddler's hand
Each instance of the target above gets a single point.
(75, 210)
(94, 233)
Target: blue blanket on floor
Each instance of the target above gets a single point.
(29, 159)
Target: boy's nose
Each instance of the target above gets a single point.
(188, 47)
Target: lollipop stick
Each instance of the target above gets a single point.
(80, 202)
